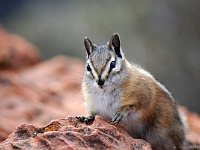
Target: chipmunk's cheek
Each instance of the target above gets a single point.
(116, 79)
(113, 79)
(89, 74)
(107, 83)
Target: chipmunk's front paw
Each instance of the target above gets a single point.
(120, 114)
(117, 118)
(85, 119)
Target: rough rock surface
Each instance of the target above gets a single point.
(193, 122)
(49, 90)
(69, 133)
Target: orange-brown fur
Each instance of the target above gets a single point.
(153, 102)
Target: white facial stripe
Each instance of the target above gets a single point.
(118, 65)
(107, 69)
(92, 69)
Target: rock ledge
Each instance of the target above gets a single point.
(69, 133)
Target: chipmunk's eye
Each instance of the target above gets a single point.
(112, 64)
(88, 67)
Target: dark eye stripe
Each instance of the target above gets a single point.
(92, 74)
(90, 70)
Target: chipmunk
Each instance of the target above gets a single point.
(127, 95)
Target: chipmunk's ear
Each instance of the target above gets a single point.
(89, 47)
(115, 44)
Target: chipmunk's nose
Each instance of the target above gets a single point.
(100, 82)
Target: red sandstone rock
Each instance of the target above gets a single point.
(193, 121)
(15, 52)
(46, 91)
(69, 133)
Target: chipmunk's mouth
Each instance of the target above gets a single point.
(101, 87)
(105, 87)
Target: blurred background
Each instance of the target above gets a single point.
(161, 36)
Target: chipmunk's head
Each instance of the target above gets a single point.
(104, 63)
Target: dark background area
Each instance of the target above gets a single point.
(161, 36)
